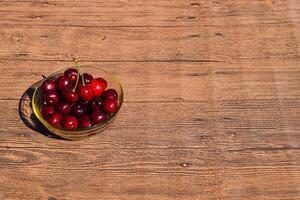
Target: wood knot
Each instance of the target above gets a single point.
(16, 38)
(195, 4)
(219, 34)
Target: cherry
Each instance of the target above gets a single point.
(48, 85)
(79, 110)
(110, 105)
(63, 107)
(71, 74)
(110, 94)
(97, 87)
(55, 119)
(103, 81)
(84, 121)
(70, 122)
(97, 117)
(87, 78)
(70, 96)
(51, 98)
(85, 92)
(95, 104)
(63, 83)
(47, 110)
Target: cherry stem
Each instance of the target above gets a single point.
(77, 66)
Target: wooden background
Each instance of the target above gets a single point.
(212, 99)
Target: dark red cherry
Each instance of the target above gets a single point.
(110, 94)
(78, 110)
(97, 117)
(55, 119)
(63, 83)
(47, 110)
(84, 122)
(103, 81)
(71, 74)
(97, 87)
(85, 92)
(70, 122)
(63, 107)
(95, 104)
(110, 105)
(87, 78)
(51, 98)
(70, 96)
(48, 85)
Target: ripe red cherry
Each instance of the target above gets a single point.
(97, 117)
(110, 105)
(98, 88)
(47, 110)
(63, 107)
(103, 81)
(51, 98)
(110, 94)
(79, 110)
(55, 119)
(48, 85)
(85, 92)
(71, 74)
(84, 122)
(70, 122)
(63, 83)
(87, 78)
(70, 96)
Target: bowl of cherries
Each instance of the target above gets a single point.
(74, 104)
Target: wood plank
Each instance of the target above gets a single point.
(232, 126)
(147, 13)
(251, 79)
(148, 174)
(144, 44)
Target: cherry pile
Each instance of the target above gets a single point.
(75, 100)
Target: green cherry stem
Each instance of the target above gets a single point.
(77, 66)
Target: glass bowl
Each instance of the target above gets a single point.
(79, 133)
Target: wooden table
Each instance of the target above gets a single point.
(212, 99)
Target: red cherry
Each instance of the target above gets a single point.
(110, 94)
(79, 110)
(55, 119)
(103, 81)
(48, 85)
(98, 88)
(71, 74)
(47, 110)
(97, 117)
(84, 121)
(63, 83)
(95, 104)
(51, 98)
(70, 96)
(85, 92)
(87, 78)
(70, 122)
(110, 105)
(63, 107)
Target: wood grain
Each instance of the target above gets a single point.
(92, 13)
(250, 79)
(211, 107)
(144, 44)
